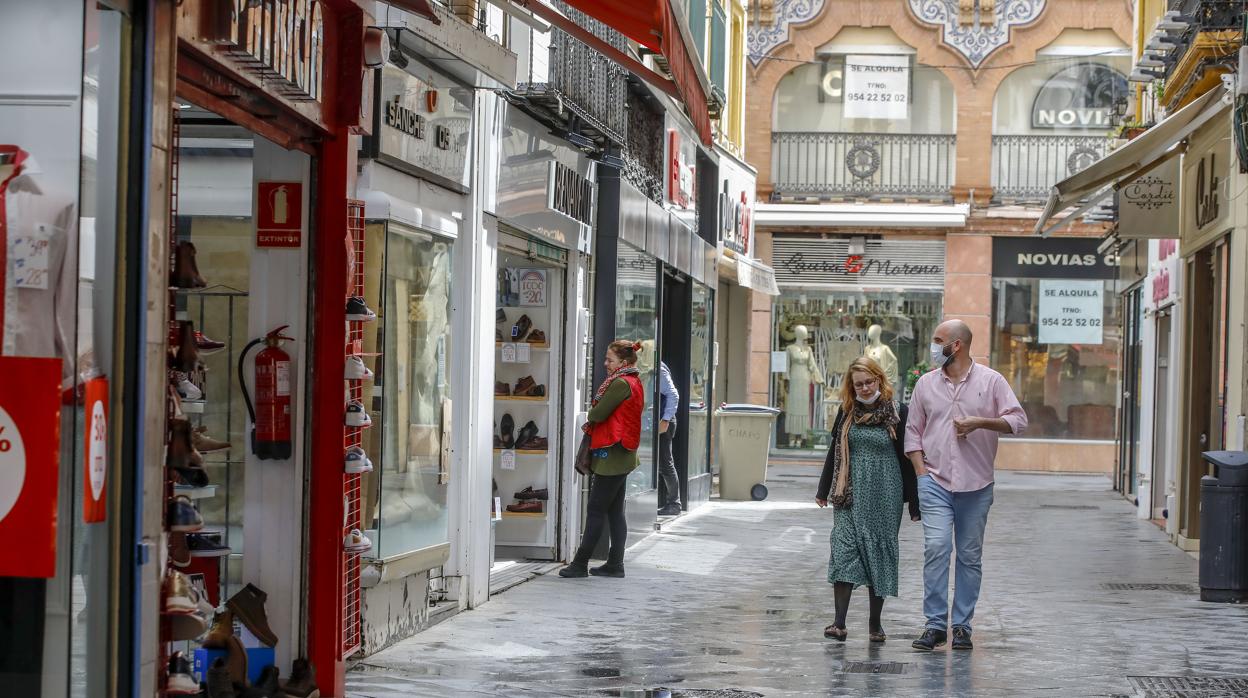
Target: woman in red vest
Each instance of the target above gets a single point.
(615, 432)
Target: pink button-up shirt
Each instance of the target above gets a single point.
(960, 465)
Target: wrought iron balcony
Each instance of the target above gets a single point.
(1025, 168)
(1212, 33)
(572, 86)
(857, 166)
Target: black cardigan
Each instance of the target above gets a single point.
(909, 485)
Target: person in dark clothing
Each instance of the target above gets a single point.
(867, 478)
(615, 433)
(669, 400)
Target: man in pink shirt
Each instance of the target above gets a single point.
(957, 413)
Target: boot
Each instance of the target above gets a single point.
(185, 270)
(248, 607)
(266, 685)
(221, 637)
(219, 683)
(204, 443)
(188, 350)
(302, 681)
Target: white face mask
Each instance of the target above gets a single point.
(939, 359)
(871, 400)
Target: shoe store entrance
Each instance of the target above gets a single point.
(237, 351)
(529, 400)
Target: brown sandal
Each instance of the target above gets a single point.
(878, 636)
(835, 633)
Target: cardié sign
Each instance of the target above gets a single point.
(1078, 97)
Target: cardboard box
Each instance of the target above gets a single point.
(257, 659)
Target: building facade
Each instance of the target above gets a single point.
(904, 152)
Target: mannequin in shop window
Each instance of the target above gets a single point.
(803, 373)
(881, 354)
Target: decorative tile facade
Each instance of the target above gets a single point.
(977, 40)
(762, 39)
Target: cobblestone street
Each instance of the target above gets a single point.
(1079, 598)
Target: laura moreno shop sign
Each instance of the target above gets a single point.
(798, 264)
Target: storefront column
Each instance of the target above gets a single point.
(758, 310)
(968, 288)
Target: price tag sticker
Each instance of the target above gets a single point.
(30, 258)
(508, 460)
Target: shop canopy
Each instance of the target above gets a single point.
(417, 7)
(654, 25)
(1124, 165)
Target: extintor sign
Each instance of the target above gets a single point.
(30, 447)
(279, 214)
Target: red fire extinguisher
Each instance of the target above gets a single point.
(270, 416)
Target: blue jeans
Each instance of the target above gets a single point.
(949, 519)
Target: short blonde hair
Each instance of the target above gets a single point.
(863, 364)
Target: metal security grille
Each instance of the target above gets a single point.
(1189, 686)
(809, 262)
(1128, 586)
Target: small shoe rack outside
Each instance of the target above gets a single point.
(352, 486)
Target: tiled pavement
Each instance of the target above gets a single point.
(733, 597)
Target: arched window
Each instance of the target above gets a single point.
(812, 98)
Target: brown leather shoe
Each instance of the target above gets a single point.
(533, 506)
(221, 637)
(188, 348)
(537, 443)
(302, 681)
(521, 329)
(502, 389)
(202, 442)
(533, 391)
(185, 270)
(248, 606)
(179, 553)
(523, 384)
(530, 493)
(178, 454)
(536, 337)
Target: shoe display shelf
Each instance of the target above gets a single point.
(352, 483)
(526, 534)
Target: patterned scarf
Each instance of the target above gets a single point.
(882, 413)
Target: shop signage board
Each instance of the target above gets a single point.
(30, 446)
(279, 214)
(282, 41)
(1162, 286)
(1071, 312)
(95, 450)
(814, 262)
(532, 288)
(422, 122)
(681, 156)
(736, 205)
(1078, 96)
(1149, 206)
(756, 276)
(1051, 258)
(877, 87)
(1206, 210)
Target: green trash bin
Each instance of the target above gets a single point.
(744, 441)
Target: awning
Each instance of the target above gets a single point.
(1146, 151)
(417, 7)
(861, 215)
(654, 25)
(748, 272)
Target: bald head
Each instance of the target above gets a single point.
(952, 331)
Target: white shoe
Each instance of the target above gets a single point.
(356, 461)
(188, 390)
(356, 370)
(356, 542)
(356, 416)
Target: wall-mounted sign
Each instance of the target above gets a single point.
(1163, 272)
(95, 450)
(877, 87)
(532, 288)
(1079, 97)
(1071, 312)
(570, 194)
(30, 447)
(283, 40)
(1206, 211)
(1051, 258)
(814, 262)
(736, 205)
(422, 122)
(279, 214)
(680, 170)
(1149, 206)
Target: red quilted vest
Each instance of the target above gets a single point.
(624, 424)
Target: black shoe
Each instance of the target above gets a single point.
(962, 639)
(574, 571)
(608, 570)
(670, 510)
(930, 640)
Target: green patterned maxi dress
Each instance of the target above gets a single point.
(864, 537)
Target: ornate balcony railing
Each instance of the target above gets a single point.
(871, 166)
(574, 85)
(1025, 168)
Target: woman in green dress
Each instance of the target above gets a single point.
(867, 478)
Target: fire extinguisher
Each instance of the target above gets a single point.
(270, 415)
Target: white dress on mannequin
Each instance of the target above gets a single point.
(803, 372)
(881, 354)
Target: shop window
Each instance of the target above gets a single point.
(405, 496)
(1062, 359)
(636, 318)
(699, 380)
(818, 333)
(812, 98)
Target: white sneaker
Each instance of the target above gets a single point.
(188, 390)
(356, 370)
(356, 416)
(356, 461)
(356, 542)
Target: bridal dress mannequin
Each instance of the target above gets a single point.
(803, 372)
(879, 352)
